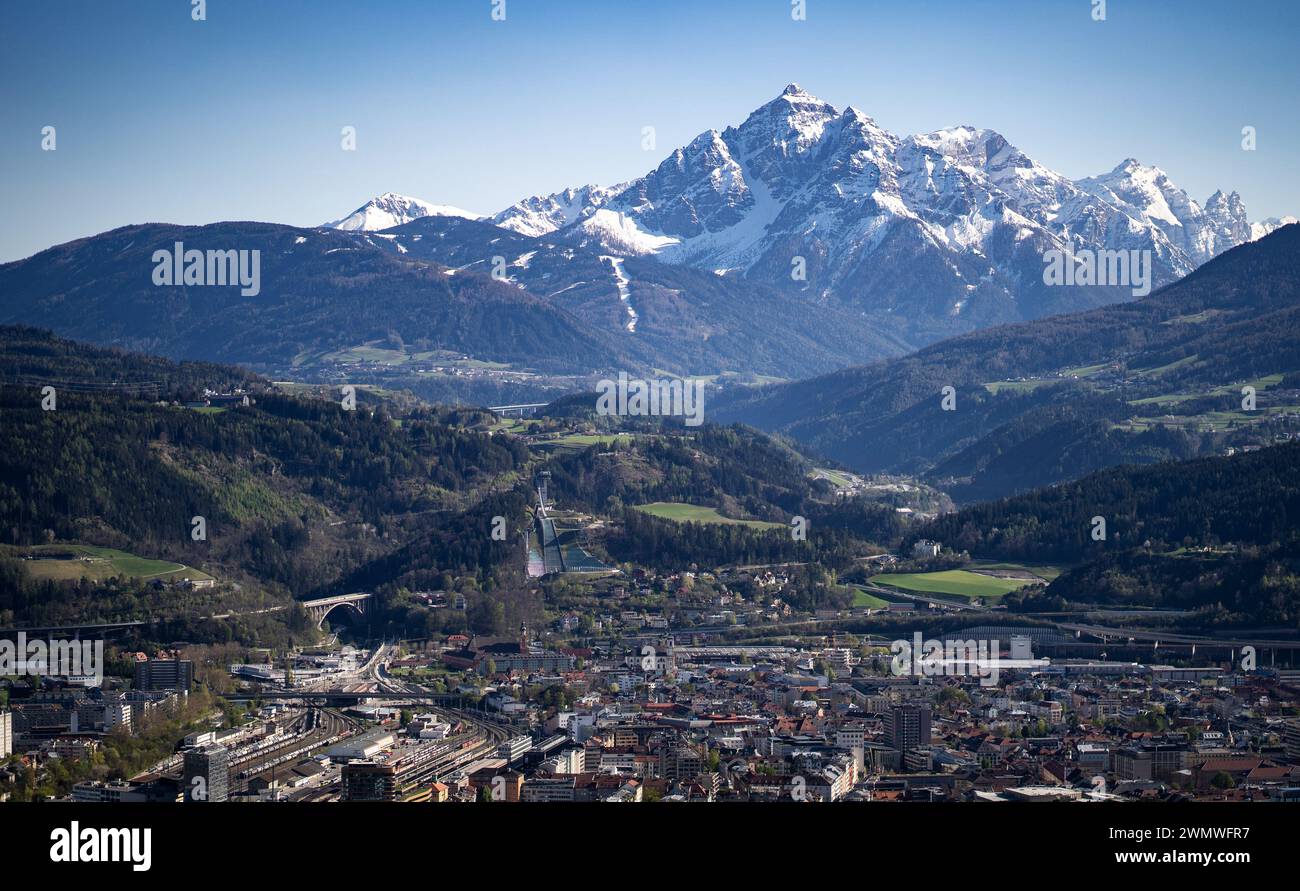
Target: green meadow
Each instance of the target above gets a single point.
(694, 513)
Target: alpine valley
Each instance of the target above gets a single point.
(622, 493)
(922, 265)
(805, 240)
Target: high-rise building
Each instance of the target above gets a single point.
(368, 781)
(207, 774)
(163, 674)
(117, 713)
(907, 726)
(6, 734)
(1022, 647)
(1291, 739)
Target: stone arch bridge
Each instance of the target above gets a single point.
(322, 607)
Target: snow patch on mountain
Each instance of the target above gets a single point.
(621, 281)
(620, 232)
(1264, 227)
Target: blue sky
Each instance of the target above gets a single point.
(161, 118)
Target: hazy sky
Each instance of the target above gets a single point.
(162, 118)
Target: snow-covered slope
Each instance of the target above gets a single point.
(546, 213)
(1146, 194)
(391, 209)
(1264, 227)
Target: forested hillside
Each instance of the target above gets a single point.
(1049, 400)
(294, 493)
(300, 497)
(1219, 535)
(1248, 499)
(320, 290)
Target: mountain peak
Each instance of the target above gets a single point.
(1132, 166)
(392, 209)
(795, 98)
(856, 114)
(1221, 199)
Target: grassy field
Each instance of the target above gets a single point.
(1260, 383)
(100, 563)
(834, 476)
(1202, 316)
(509, 425)
(1166, 399)
(374, 352)
(1218, 421)
(578, 441)
(863, 598)
(747, 378)
(1084, 370)
(955, 582)
(1164, 369)
(996, 387)
(1044, 571)
(694, 513)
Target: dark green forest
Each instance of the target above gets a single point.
(1252, 498)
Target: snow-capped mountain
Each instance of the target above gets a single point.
(949, 227)
(1264, 227)
(543, 214)
(391, 209)
(1147, 194)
